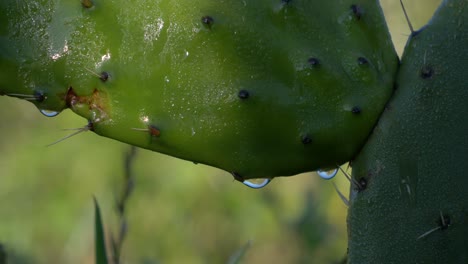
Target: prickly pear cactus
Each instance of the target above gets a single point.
(409, 203)
(259, 88)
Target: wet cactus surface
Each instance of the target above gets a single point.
(414, 206)
(257, 88)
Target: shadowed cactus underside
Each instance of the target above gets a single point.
(411, 205)
(258, 88)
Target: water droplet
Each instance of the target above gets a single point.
(327, 175)
(256, 183)
(49, 113)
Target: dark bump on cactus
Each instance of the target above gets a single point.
(87, 3)
(362, 184)
(427, 72)
(356, 110)
(444, 222)
(243, 94)
(90, 126)
(207, 21)
(104, 76)
(362, 61)
(237, 176)
(306, 139)
(154, 131)
(286, 1)
(357, 11)
(314, 62)
(40, 97)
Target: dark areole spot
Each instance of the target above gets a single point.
(427, 72)
(357, 11)
(362, 184)
(90, 125)
(444, 222)
(104, 76)
(40, 97)
(87, 3)
(207, 21)
(314, 62)
(356, 110)
(306, 139)
(243, 94)
(154, 131)
(362, 61)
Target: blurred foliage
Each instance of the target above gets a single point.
(100, 250)
(179, 212)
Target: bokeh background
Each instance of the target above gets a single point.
(179, 212)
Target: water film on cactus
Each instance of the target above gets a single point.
(222, 89)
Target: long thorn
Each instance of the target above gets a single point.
(79, 130)
(351, 180)
(28, 97)
(343, 198)
(407, 18)
(429, 232)
(99, 76)
(442, 220)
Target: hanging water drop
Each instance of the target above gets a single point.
(49, 113)
(327, 175)
(256, 183)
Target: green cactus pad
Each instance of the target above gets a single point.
(261, 88)
(412, 203)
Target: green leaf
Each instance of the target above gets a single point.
(99, 236)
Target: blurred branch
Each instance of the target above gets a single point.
(237, 257)
(3, 255)
(128, 184)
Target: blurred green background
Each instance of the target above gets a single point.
(179, 212)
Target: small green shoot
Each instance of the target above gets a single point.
(99, 237)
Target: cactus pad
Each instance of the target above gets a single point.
(260, 88)
(411, 205)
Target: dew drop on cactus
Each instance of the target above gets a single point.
(49, 113)
(256, 183)
(327, 175)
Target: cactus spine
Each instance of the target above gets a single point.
(410, 202)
